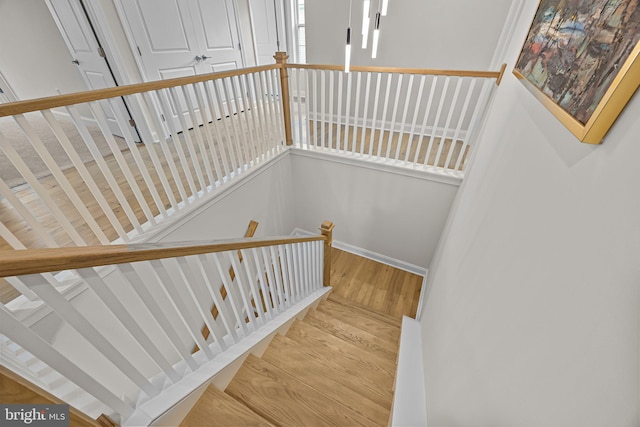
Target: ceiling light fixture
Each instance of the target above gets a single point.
(376, 36)
(366, 7)
(347, 48)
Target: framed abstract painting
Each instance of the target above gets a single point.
(581, 59)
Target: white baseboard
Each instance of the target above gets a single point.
(365, 253)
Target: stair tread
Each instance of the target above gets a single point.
(216, 409)
(379, 370)
(285, 400)
(334, 297)
(368, 324)
(322, 373)
(363, 339)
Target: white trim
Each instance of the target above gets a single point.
(409, 407)
(423, 295)
(365, 253)
(106, 39)
(253, 33)
(130, 38)
(384, 259)
(398, 167)
(98, 19)
(236, 13)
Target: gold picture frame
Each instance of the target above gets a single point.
(581, 59)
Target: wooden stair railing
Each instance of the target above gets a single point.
(251, 230)
(33, 261)
(294, 266)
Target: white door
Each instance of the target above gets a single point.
(88, 56)
(179, 38)
(217, 32)
(172, 36)
(263, 25)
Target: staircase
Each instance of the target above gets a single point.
(335, 367)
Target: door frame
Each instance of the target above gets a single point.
(97, 18)
(280, 30)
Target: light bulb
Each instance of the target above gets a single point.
(385, 6)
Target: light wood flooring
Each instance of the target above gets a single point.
(335, 367)
(386, 145)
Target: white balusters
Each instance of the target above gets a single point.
(405, 110)
(71, 315)
(393, 116)
(40, 348)
(354, 137)
(383, 119)
(386, 116)
(178, 295)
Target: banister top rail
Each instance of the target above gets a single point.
(397, 70)
(34, 261)
(37, 104)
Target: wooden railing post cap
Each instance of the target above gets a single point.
(327, 226)
(281, 57)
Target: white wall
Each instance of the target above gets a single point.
(33, 56)
(390, 213)
(267, 197)
(415, 33)
(532, 318)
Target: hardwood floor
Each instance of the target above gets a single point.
(384, 144)
(376, 286)
(335, 367)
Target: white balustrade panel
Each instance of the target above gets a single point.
(409, 120)
(97, 188)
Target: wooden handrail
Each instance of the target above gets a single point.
(38, 104)
(33, 261)
(419, 71)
